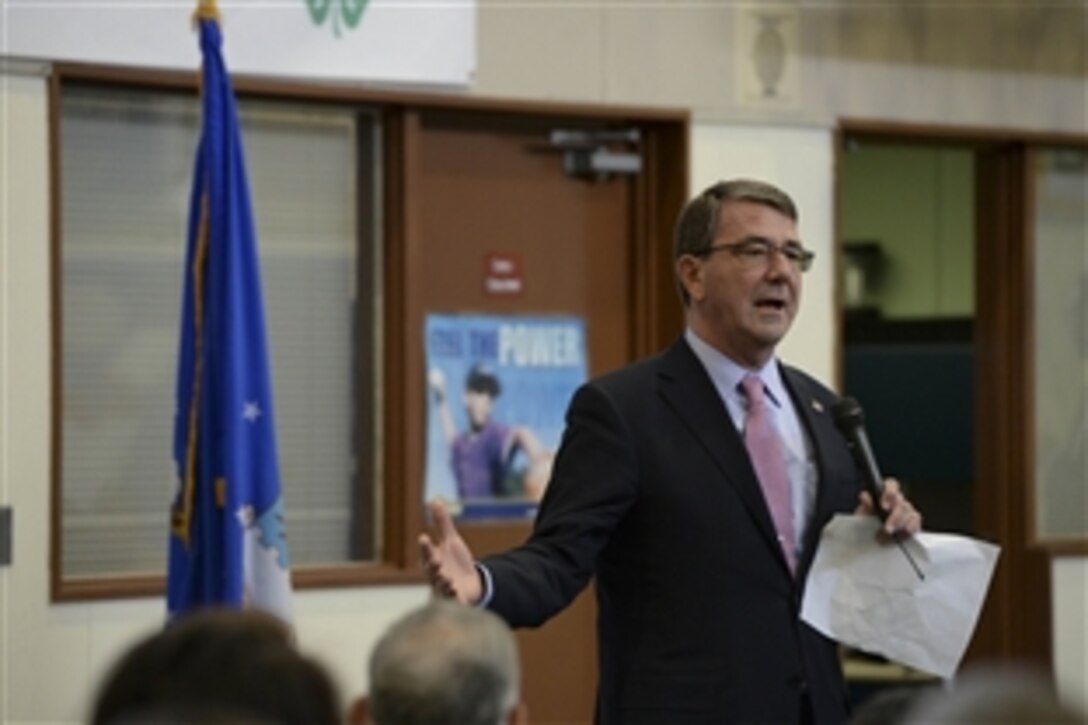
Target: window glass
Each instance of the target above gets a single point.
(1061, 344)
(126, 162)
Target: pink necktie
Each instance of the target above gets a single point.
(765, 450)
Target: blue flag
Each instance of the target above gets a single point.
(227, 545)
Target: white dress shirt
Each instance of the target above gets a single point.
(800, 458)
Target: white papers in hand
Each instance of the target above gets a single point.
(865, 594)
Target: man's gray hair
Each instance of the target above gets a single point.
(445, 663)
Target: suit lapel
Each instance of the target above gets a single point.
(688, 390)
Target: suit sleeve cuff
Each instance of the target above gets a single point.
(488, 586)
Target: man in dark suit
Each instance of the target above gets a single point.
(699, 535)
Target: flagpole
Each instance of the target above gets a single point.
(206, 10)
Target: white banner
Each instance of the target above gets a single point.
(395, 41)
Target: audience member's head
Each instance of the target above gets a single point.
(217, 666)
(444, 663)
(994, 695)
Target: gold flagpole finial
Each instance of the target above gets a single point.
(205, 10)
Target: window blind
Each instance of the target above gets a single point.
(126, 171)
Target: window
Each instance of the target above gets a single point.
(125, 169)
(1060, 264)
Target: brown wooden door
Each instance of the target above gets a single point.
(489, 184)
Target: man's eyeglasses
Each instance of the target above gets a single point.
(758, 253)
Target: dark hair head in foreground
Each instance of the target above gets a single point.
(217, 666)
(445, 663)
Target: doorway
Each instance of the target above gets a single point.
(908, 241)
(933, 238)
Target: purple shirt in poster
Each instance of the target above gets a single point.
(479, 461)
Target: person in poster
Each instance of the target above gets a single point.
(482, 455)
(497, 390)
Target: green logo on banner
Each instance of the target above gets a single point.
(347, 11)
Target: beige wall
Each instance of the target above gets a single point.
(1016, 65)
(1070, 636)
(697, 56)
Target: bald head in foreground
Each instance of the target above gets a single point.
(444, 663)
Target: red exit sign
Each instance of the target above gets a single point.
(504, 274)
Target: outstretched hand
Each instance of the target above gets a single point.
(902, 516)
(448, 561)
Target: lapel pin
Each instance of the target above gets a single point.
(817, 406)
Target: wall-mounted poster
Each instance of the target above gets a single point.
(497, 392)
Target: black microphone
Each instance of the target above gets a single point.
(850, 420)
